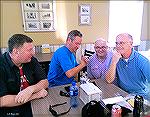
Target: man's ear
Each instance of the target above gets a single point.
(131, 44)
(69, 40)
(15, 51)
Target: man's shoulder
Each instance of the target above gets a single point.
(61, 51)
(3, 60)
(63, 48)
(139, 56)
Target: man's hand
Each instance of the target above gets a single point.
(41, 94)
(116, 57)
(24, 95)
(84, 60)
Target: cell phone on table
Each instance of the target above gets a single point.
(67, 88)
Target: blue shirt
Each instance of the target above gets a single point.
(134, 75)
(62, 61)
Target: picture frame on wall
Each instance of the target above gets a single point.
(31, 16)
(85, 9)
(39, 15)
(46, 15)
(85, 14)
(47, 25)
(85, 20)
(30, 26)
(46, 6)
(30, 5)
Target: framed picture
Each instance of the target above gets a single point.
(45, 5)
(32, 26)
(85, 9)
(47, 25)
(46, 15)
(30, 5)
(31, 16)
(85, 14)
(39, 15)
(85, 20)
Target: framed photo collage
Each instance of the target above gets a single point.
(38, 15)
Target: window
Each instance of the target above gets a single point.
(125, 17)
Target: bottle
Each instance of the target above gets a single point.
(74, 95)
(116, 111)
(138, 106)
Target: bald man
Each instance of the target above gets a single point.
(100, 61)
(132, 69)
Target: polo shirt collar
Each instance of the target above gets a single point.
(132, 54)
(67, 49)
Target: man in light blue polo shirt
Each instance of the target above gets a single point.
(132, 69)
(63, 67)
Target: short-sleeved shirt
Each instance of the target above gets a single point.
(62, 61)
(134, 75)
(10, 83)
(97, 68)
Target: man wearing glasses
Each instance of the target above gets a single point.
(100, 61)
(132, 69)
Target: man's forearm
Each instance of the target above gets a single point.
(43, 84)
(74, 71)
(8, 101)
(110, 74)
(41, 94)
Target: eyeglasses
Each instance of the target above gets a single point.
(121, 43)
(54, 113)
(103, 47)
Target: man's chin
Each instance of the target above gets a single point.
(120, 51)
(27, 61)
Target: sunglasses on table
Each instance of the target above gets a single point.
(54, 113)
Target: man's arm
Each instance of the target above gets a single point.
(9, 100)
(42, 83)
(32, 92)
(27, 93)
(74, 71)
(111, 72)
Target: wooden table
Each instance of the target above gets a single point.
(40, 107)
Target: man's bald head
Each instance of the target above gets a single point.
(100, 41)
(101, 48)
